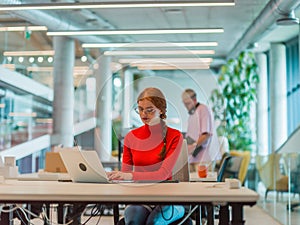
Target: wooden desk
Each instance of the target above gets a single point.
(13, 191)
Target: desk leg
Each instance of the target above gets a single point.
(74, 213)
(60, 213)
(6, 218)
(198, 214)
(210, 214)
(237, 214)
(224, 215)
(116, 213)
(48, 212)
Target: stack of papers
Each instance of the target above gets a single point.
(44, 176)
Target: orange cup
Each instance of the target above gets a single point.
(202, 170)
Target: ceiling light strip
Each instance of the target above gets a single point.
(29, 53)
(165, 60)
(9, 66)
(168, 67)
(22, 114)
(105, 5)
(78, 69)
(149, 45)
(24, 28)
(205, 65)
(136, 32)
(178, 52)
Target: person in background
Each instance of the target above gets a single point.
(149, 154)
(200, 131)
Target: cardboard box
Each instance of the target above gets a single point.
(54, 163)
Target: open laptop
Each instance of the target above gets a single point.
(84, 166)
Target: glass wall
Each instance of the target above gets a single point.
(279, 172)
(293, 85)
(23, 117)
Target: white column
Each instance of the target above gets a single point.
(128, 100)
(63, 102)
(262, 106)
(278, 99)
(103, 132)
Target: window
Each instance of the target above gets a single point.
(293, 85)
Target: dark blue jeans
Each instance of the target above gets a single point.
(160, 215)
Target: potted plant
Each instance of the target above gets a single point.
(233, 99)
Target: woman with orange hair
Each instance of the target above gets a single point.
(149, 154)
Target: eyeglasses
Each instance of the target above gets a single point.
(147, 111)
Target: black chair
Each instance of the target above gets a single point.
(295, 187)
(208, 210)
(223, 165)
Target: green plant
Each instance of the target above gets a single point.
(233, 99)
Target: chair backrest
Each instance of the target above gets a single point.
(181, 171)
(268, 167)
(223, 166)
(246, 155)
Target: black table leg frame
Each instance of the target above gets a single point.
(224, 215)
(237, 214)
(6, 217)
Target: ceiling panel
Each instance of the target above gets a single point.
(235, 21)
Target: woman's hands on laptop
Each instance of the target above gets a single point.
(118, 175)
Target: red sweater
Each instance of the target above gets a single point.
(141, 152)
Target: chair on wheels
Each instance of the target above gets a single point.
(223, 165)
(220, 178)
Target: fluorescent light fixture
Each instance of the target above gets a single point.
(167, 64)
(9, 66)
(28, 53)
(177, 65)
(165, 60)
(135, 32)
(77, 69)
(171, 67)
(174, 52)
(105, 5)
(39, 69)
(149, 45)
(24, 28)
(44, 120)
(22, 114)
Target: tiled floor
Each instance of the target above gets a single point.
(276, 206)
(278, 210)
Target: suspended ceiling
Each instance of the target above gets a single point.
(235, 20)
